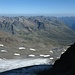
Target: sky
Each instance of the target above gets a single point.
(40, 7)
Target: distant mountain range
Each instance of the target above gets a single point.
(35, 29)
(70, 21)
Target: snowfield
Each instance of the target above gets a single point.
(10, 64)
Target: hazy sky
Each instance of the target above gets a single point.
(66, 7)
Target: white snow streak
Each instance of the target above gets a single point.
(1, 45)
(32, 49)
(4, 51)
(17, 54)
(51, 51)
(51, 58)
(31, 55)
(42, 55)
(21, 48)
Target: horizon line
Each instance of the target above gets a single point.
(55, 15)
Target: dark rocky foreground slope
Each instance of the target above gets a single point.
(63, 66)
(66, 64)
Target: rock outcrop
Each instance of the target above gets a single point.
(66, 64)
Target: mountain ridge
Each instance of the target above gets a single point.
(45, 28)
(70, 21)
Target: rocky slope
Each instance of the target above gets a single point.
(66, 64)
(38, 36)
(38, 29)
(63, 66)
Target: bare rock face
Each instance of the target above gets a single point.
(66, 64)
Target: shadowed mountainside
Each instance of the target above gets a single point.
(70, 21)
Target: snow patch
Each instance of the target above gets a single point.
(64, 49)
(41, 55)
(21, 48)
(51, 51)
(51, 58)
(1, 45)
(62, 52)
(4, 51)
(17, 54)
(0, 59)
(31, 55)
(44, 55)
(32, 49)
